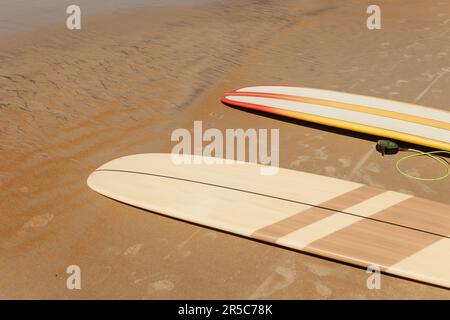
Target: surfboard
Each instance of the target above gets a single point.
(380, 117)
(341, 220)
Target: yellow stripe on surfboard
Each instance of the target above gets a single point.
(366, 129)
(354, 107)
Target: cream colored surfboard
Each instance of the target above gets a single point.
(342, 220)
(384, 118)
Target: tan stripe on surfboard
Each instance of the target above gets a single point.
(411, 213)
(273, 232)
(370, 242)
(352, 107)
(341, 221)
(392, 239)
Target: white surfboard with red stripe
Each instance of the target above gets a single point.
(385, 118)
(342, 220)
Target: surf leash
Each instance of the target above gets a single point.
(391, 147)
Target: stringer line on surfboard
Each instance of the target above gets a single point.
(275, 197)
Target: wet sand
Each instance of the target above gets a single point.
(72, 100)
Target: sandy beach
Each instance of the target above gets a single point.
(73, 100)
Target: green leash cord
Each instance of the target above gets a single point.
(419, 153)
(390, 147)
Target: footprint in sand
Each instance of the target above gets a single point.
(159, 287)
(426, 189)
(320, 154)
(345, 162)
(280, 279)
(181, 250)
(318, 270)
(412, 172)
(34, 223)
(137, 281)
(133, 250)
(323, 290)
(38, 221)
(297, 163)
(367, 179)
(373, 167)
